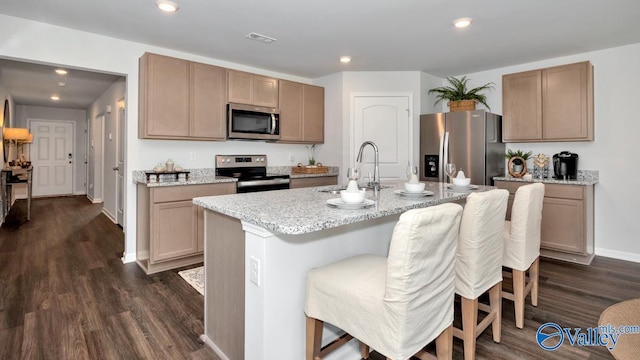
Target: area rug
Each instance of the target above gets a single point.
(195, 278)
(626, 313)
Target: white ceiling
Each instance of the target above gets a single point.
(380, 35)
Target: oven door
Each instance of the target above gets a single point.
(262, 185)
(253, 122)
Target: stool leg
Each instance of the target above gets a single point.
(314, 338)
(444, 344)
(495, 301)
(469, 325)
(364, 350)
(534, 274)
(518, 296)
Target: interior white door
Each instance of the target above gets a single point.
(120, 168)
(52, 158)
(385, 120)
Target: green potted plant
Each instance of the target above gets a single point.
(460, 98)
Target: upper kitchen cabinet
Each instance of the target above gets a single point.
(208, 101)
(301, 113)
(181, 100)
(551, 104)
(252, 89)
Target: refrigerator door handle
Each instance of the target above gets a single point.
(441, 157)
(445, 150)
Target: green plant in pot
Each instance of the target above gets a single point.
(459, 97)
(518, 158)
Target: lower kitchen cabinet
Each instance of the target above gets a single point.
(567, 220)
(170, 227)
(297, 183)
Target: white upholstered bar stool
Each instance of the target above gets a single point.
(397, 304)
(522, 246)
(479, 265)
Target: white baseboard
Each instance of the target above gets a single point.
(128, 258)
(213, 346)
(620, 255)
(96, 201)
(109, 215)
(79, 193)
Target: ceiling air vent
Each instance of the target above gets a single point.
(261, 38)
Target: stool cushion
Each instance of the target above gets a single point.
(522, 233)
(479, 254)
(399, 304)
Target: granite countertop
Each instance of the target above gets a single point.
(585, 177)
(208, 176)
(286, 170)
(196, 177)
(300, 211)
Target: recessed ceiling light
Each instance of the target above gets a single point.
(345, 59)
(62, 84)
(55, 97)
(462, 22)
(167, 6)
(61, 71)
(262, 38)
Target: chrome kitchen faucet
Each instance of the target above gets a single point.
(375, 183)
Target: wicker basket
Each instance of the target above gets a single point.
(462, 105)
(309, 169)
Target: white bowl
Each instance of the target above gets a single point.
(414, 187)
(461, 182)
(352, 197)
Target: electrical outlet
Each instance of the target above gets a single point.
(290, 157)
(192, 155)
(254, 270)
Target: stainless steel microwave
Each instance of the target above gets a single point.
(253, 122)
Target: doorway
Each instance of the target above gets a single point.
(119, 168)
(384, 119)
(52, 157)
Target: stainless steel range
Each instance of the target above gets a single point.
(251, 172)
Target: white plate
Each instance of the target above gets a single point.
(470, 187)
(413, 194)
(337, 202)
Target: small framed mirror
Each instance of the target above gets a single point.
(5, 123)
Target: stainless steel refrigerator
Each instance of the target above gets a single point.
(472, 140)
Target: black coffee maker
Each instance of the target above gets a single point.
(565, 165)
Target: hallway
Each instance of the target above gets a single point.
(65, 294)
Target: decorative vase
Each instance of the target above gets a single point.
(169, 165)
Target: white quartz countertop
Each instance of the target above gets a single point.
(585, 177)
(300, 211)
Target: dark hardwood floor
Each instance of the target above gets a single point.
(65, 294)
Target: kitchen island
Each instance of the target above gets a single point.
(259, 248)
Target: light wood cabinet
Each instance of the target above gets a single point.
(181, 100)
(252, 89)
(301, 113)
(567, 220)
(551, 104)
(297, 183)
(170, 228)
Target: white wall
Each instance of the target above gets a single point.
(25, 113)
(382, 83)
(104, 177)
(39, 42)
(614, 151)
